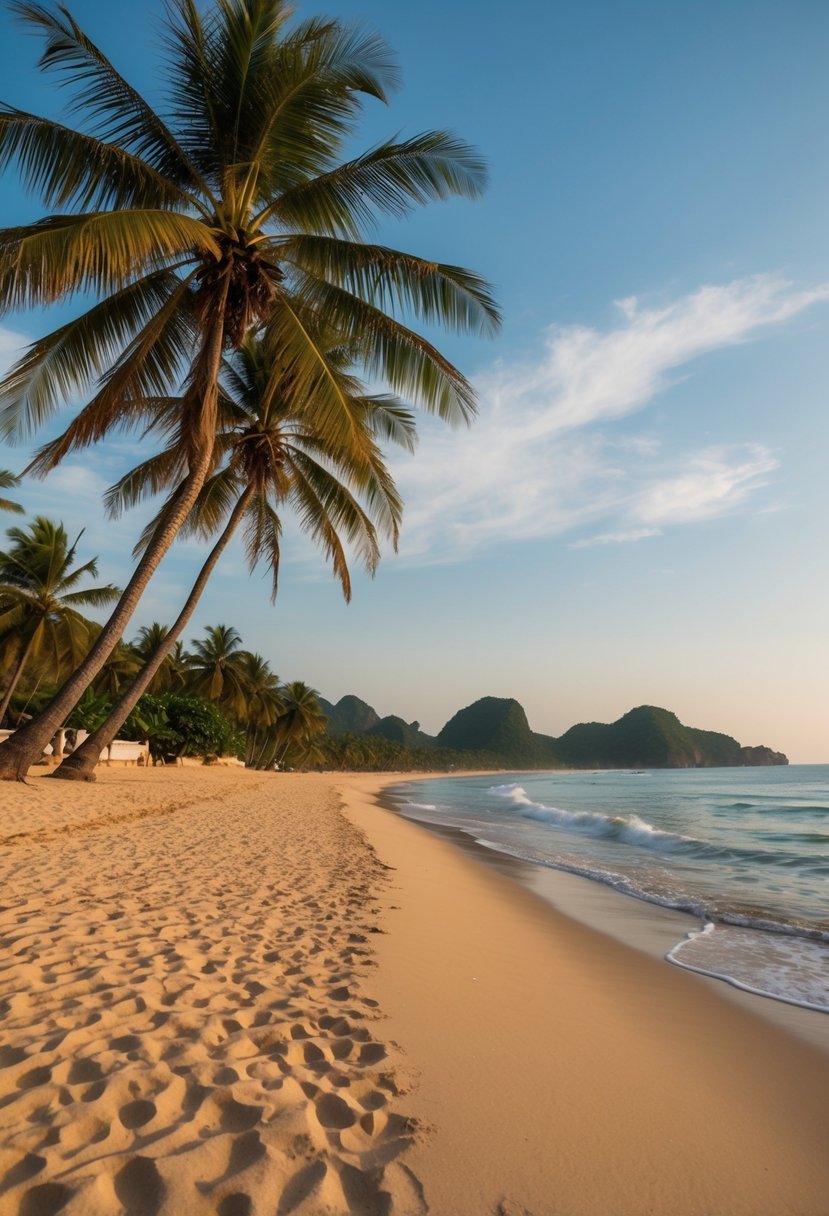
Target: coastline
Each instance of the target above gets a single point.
(241, 994)
(640, 924)
(567, 1072)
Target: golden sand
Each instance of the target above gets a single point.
(193, 1021)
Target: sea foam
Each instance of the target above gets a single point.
(786, 967)
(630, 829)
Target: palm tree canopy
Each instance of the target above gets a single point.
(229, 206)
(41, 593)
(264, 701)
(270, 439)
(217, 670)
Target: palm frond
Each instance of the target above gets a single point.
(449, 295)
(94, 597)
(324, 508)
(69, 168)
(214, 504)
(411, 365)
(391, 419)
(157, 355)
(302, 363)
(8, 481)
(309, 100)
(146, 479)
(61, 256)
(389, 179)
(262, 537)
(119, 112)
(70, 358)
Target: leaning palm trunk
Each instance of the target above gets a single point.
(79, 765)
(26, 745)
(16, 674)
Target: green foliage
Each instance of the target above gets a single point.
(41, 592)
(374, 753)
(90, 711)
(176, 724)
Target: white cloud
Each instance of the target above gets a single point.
(615, 538)
(711, 486)
(535, 464)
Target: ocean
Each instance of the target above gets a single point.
(745, 851)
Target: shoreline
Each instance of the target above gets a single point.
(229, 993)
(638, 923)
(569, 1072)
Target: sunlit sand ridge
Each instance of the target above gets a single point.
(187, 1023)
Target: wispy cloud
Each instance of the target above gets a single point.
(712, 485)
(538, 462)
(544, 458)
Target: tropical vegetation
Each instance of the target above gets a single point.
(42, 590)
(187, 227)
(272, 455)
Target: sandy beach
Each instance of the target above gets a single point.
(237, 994)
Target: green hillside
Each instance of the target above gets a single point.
(398, 731)
(499, 724)
(494, 732)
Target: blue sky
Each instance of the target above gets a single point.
(639, 513)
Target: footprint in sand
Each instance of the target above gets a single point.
(140, 1187)
(137, 1114)
(45, 1200)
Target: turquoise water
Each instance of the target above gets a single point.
(745, 851)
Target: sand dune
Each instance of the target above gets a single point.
(186, 1011)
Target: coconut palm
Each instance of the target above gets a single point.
(217, 671)
(170, 674)
(302, 722)
(263, 706)
(231, 208)
(40, 598)
(274, 456)
(7, 482)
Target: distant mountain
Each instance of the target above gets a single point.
(407, 733)
(650, 737)
(349, 716)
(499, 724)
(645, 737)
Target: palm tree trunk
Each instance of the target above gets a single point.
(25, 746)
(17, 673)
(251, 744)
(79, 765)
(259, 759)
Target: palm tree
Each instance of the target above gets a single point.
(7, 482)
(302, 722)
(274, 456)
(217, 671)
(170, 674)
(263, 706)
(40, 598)
(191, 227)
